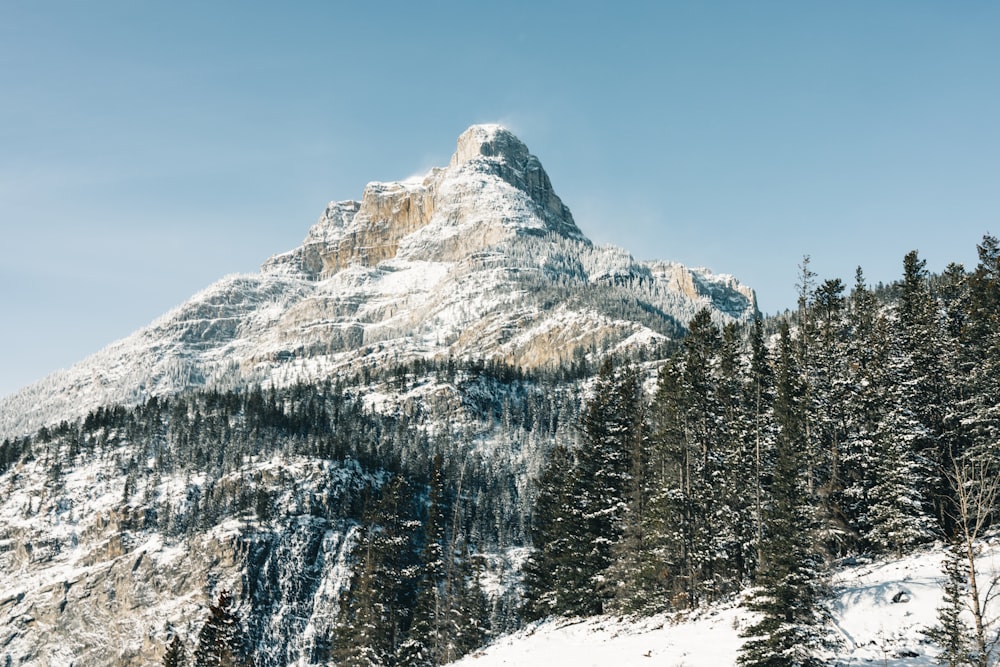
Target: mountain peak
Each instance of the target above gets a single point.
(489, 140)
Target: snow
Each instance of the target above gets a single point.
(463, 284)
(866, 625)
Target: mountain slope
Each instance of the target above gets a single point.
(480, 259)
(879, 611)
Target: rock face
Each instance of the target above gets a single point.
(480, 259)
(369, 232)
(101, 561)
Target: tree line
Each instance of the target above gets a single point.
(868, 422)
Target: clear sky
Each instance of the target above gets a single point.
(150, 148)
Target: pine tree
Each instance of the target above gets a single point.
(428, 636)
(468, 606)
(738, 445)
(980, 345)
(897, 516)
(760, 438)
(867, 362)
(175, 655)
(551, 572)
(830, 388)
(610, 424)
(788, 593)
(582, 508)
(919, 376)
(951, 633)
(376, 610)
(220, 642)
(695, 536)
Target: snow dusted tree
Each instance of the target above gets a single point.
(376, 609)
(760, 437)
(552, 573)
(830, 388)
(692, 442)
(897, 516)
(175, 655)
(703, 432)
(220, 642)
(582, 508)
(788, 593)
(610, 424)
(976, 486)
(867, 367)
(919, 375)
(429, 633)
(951, 633)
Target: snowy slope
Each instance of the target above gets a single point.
(82, 581)
(866, 626)
(480, 259)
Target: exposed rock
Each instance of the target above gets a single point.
(456, 264)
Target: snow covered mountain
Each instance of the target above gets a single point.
(879, 613)
(239, 441)
(477, 260)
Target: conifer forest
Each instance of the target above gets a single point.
(738, 458)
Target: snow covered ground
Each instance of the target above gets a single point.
(879, 610)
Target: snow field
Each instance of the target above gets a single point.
(879, 611)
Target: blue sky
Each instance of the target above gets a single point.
(147, 149)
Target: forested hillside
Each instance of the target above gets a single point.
(408, 513)
(867, 424)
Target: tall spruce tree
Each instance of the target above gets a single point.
(428, 637)
(951, 633)
(175, 655)
(610, 425)
(551, 574)
(692, 492)
(376, 610)
(867, 368)
(583, 505)
(789, 591)
(221, 641)
(760, 438)
(919, 380)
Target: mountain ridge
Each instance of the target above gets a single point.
(479, 259)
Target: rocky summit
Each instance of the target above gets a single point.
(404, 372)
(480, 259)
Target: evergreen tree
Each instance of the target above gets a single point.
(175, 655)
(788, 593)
(951, 633)
(428, 635)
(694, 508)
(220, 642)
(468, 606)
(582, 508)
(830, 388)
(551, 574)
(610, 423)
(376, 611)
(867, 362)
(760, 436)
(980, 348)
(919, 376)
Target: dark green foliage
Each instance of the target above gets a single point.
(788, 592)
(612, 426)
(552, 570)
(221, 642)
(175, 655)
(586, 503)
(377, 609)
(414, 597)
(951, 633)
